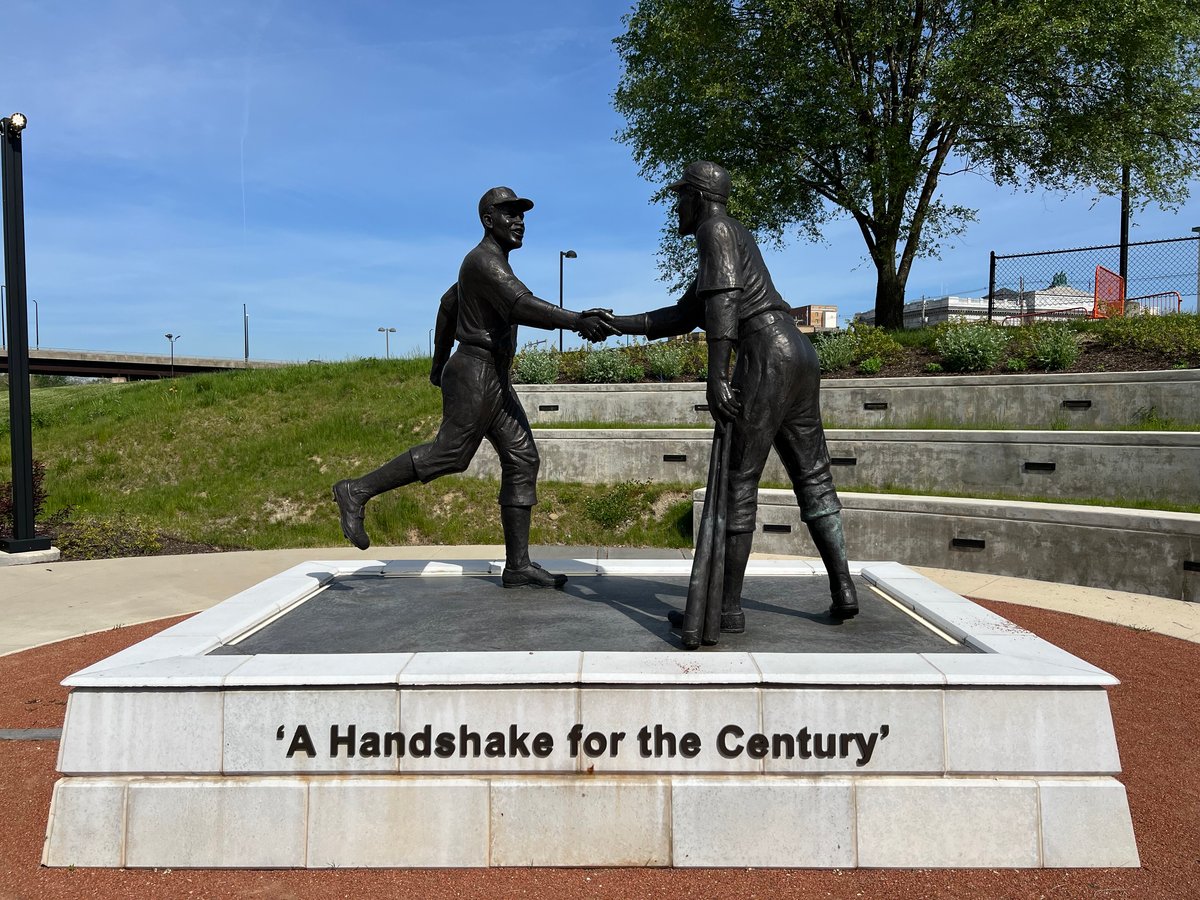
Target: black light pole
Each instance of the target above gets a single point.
(4, 317)
(172, 338)
(246, 333)
(23, 537)
(562, 254)
(387, 348)
(37, 326)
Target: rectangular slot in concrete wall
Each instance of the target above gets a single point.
(1031, 466)
(968, 543)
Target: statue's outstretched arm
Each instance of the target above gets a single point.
(592, 324)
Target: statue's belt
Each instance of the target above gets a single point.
(485, 353)
(763, 320)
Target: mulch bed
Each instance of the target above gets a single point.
(1156, 709)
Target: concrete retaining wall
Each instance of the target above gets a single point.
(1146, 552)
(1091, 400)
(1116, 466)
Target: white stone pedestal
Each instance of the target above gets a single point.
(999, 758)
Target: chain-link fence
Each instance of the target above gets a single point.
(1163, 276)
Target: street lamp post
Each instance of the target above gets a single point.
(172, 338)
(23, 538)
(387, 349)
(37, 327)
(562, 254)
(246, 334)
(3, 317)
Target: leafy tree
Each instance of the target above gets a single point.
(828, 107)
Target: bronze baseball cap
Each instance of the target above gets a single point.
(503, 196)
(706, 177)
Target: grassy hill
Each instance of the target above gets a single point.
(245, 459)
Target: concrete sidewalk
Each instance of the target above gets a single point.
(41, 604)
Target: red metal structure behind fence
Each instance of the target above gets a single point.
(1110, 294)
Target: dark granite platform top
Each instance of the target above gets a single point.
(377, 614)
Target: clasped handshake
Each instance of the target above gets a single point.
(597, 324)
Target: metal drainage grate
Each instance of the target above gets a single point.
(674, 457)
(1077, 404)
(777, 529)
(547, 407)
(30, 734)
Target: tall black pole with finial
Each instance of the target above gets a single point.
(23, 537)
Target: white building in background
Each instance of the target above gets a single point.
(1056, 301)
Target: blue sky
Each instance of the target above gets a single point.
(321, 163)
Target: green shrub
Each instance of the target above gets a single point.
(871, 366)
(610, 367)
(7, 524)
(698, 361)
(834, 351)
(1048, 345)
(618, 505)
(933, 368)
(1016, 364)
(872, 342)
(570, 365)
(666, 360)
(534, 365)
(971, 348)
(93, 538)
(1175, 335)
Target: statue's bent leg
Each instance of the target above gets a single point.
(801, 446)
(827, 534)
(352, 495)
(756, 380)
(519, 570)
(466, 409)
(519, 462)
(737, 557)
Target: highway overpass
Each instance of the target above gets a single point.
(133, 366)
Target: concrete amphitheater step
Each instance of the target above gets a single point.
(1117, 466)
(1143, 551)
(1044, 400)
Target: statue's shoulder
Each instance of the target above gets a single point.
(719, 229)
(475, 265)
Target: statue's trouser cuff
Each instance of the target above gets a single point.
(777, 378)
(478, 402)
